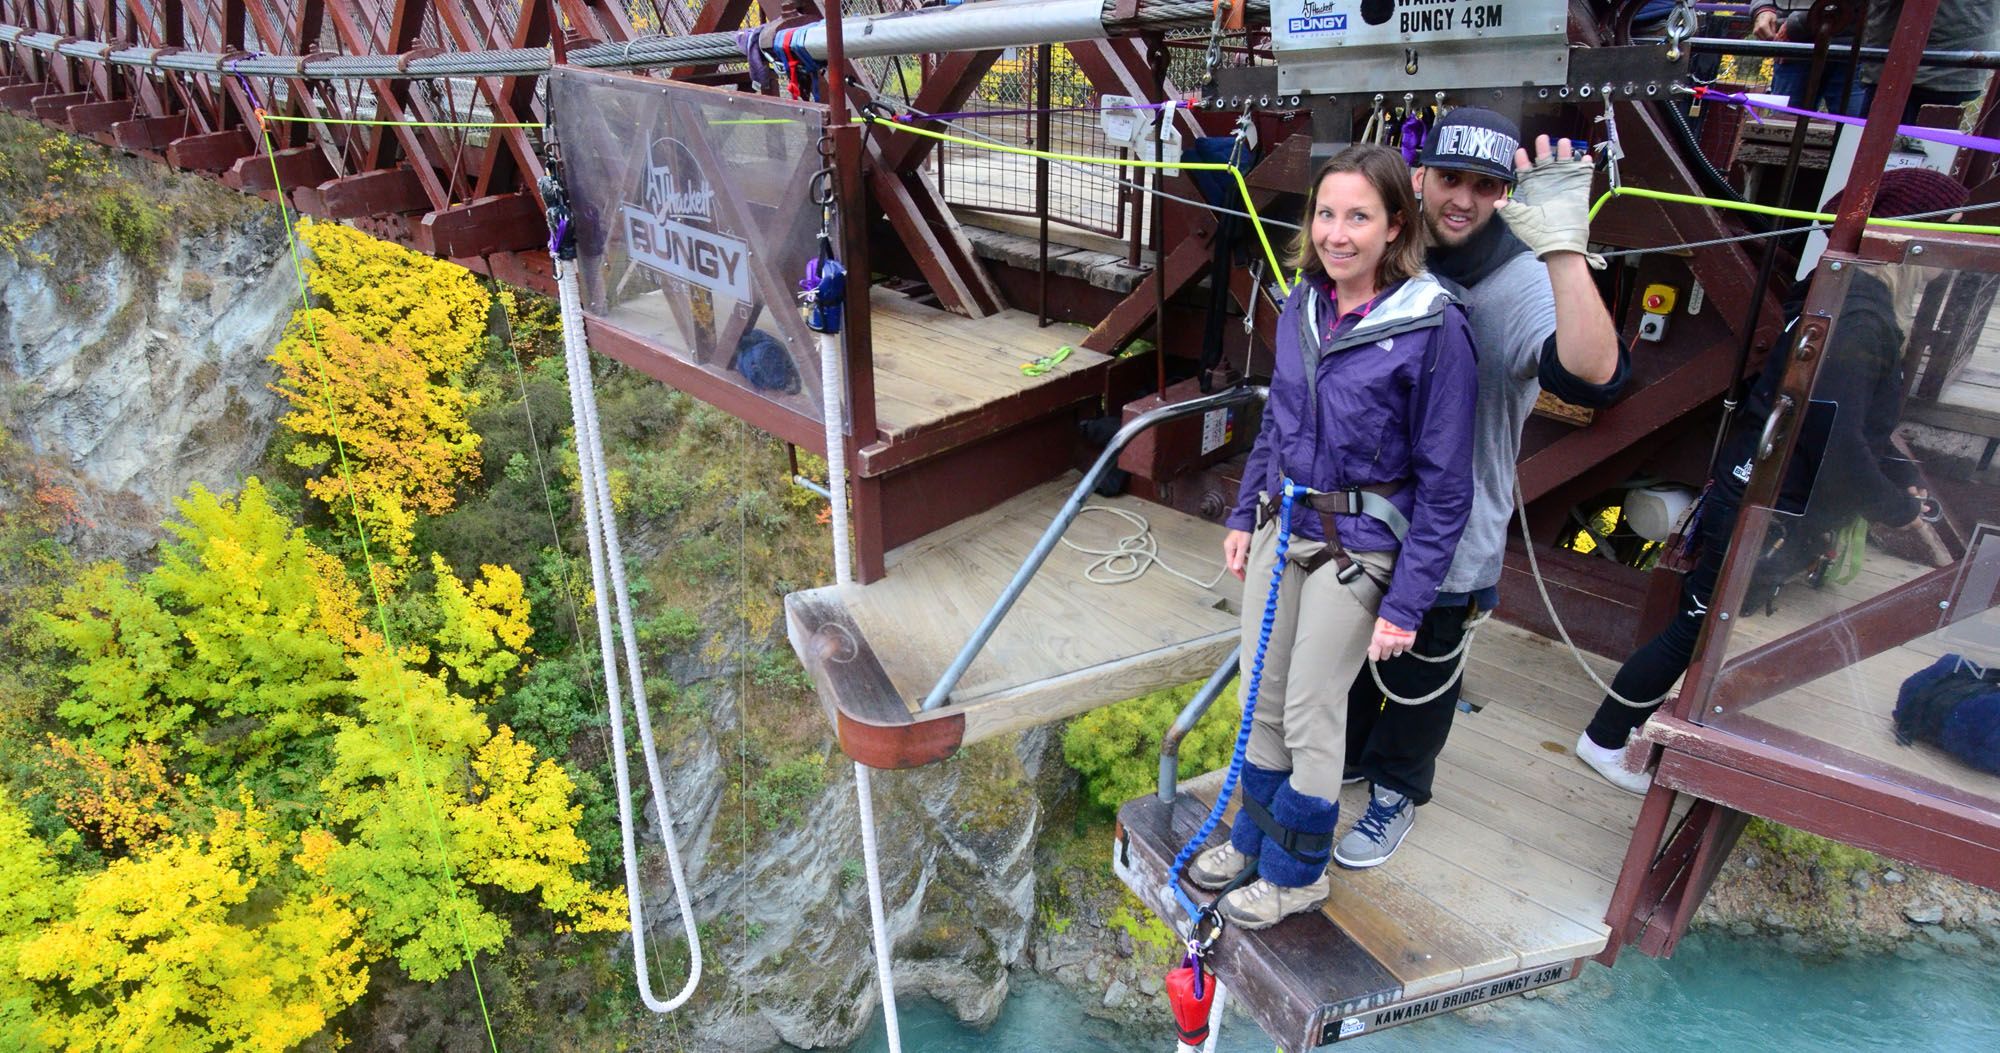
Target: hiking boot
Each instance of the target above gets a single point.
(1217, 867)
(1374, 839)
(1260, 904)
(1612, 765)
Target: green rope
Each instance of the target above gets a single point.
(1780, 213)
(1243, 188)
(375, 588)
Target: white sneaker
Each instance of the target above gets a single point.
(1611, 765)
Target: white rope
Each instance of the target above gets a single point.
(1215, 1016)
(870, 856)
(607, 560)
(832, 385)
(1535, 568)
(1132, 555)
(1463, 653)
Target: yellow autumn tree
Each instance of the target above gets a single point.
(483, 632)
(32, 894)
(178, 948)
(403, 823)
(374, 374)
(245, 625)
(416, 843)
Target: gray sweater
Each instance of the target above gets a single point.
(1513, 314)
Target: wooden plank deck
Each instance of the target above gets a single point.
(1069, 645)
(1502, 884)
(933, 367)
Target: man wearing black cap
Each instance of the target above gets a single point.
(1540, 325)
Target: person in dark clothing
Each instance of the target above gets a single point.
(1862, 378)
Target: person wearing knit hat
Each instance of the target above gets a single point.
(1911, 191)
(1835, 475)
(1539, 324)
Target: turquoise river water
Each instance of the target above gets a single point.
(1717, 993)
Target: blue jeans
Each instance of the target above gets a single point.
(1836, 94)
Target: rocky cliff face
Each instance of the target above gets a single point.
(786, 925)
(144, 382)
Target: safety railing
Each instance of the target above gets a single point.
(1242, 395)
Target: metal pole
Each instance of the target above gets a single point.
(1157, 53)
(1197, 707)
(1786, 49)
(1814, 75)
(853, 198)
(1043, 91)
(1070, 509)
(1879, 135)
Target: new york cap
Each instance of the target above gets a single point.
(1472, 139)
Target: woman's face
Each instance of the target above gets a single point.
(1351, 228)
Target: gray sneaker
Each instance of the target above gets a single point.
(1374, 839)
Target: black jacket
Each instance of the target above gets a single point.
(1849, 469)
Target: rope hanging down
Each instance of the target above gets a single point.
(822, 293)
(607, 560)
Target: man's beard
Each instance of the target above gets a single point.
(1442, 236)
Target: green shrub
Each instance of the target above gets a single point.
(1117, 748)
(782, 791)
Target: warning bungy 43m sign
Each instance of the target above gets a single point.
(1385, 45)
(1383, 21)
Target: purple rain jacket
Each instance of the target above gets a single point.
(1391, 399)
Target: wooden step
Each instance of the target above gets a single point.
(943, 380)
(1501, 886)
(876, 650)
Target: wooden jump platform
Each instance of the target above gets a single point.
(1501, 887)
(874, 651)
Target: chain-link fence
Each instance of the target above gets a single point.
(990, 181)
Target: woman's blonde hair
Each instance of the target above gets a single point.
(1385, 171)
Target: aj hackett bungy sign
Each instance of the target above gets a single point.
(1349, 23)
(673, 231)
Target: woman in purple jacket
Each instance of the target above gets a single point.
(1370, 419)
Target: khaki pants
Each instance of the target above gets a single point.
(1318, 642)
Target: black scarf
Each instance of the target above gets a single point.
(1470, 263)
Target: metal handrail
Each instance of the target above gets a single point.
(1243, 393)
(1197, 707)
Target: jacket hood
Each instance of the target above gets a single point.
(1417, 303)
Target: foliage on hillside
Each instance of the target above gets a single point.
(61, 190)
(263, 796)
(1117, 748)
(374, 372)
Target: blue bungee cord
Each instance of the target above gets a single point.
(1193, 909)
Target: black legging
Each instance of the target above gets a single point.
(1651, 671)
